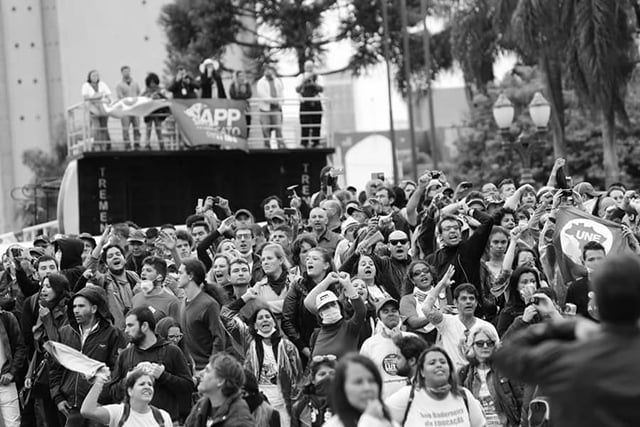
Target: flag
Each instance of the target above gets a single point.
(574, 228)
(135, 106)
(72, 359)
(218, 122)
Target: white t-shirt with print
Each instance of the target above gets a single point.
(135, 419)
(428, 412)
(452, 336)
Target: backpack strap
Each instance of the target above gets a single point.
(411, 397)
(466, 399)
(126, 411)
(157, 415)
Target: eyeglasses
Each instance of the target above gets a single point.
(484, 344)
(394, 242)
(417, 273)
(175, 337)
(324, 358)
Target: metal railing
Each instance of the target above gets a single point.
(266, 128)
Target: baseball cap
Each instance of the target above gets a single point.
(347, 224)
(241, 212)
(585, 188)
(88, 237)
(384, 302)
(353, 207)
(325, 298)
(137, 236)
(476, 201)
(41, 239)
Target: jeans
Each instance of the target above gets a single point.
(128, 121)
(76, 420)
(310, 120)
(271, 121)
(9, 405)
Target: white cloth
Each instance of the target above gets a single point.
(9, 405)
(87, 89)
(426, 411)
(263, 90)
(135, 419)
(276, 400)
(384, 353)
(452, 335)
(364, 421)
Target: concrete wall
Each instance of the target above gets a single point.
(47, 49)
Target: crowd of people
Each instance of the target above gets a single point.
(412, 305)
(208, 83)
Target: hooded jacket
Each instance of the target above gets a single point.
(102, 344)
(174, 382)
(234, 412)
(71, 259)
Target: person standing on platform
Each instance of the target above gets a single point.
(127, 88)
(270, 92)
(310, 86)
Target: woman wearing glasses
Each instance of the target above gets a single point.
(435, 398)
(501, 399)
(420, 280)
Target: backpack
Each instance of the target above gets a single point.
(465, 398)
(126, 411)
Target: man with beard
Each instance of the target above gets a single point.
(158, 357)
(90, 332)
(411, 347)
(327, 239)
(381, 349)
(453, 328)
(118, 283)
(463, 255)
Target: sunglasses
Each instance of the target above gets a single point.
(175, 337)
(398, 242)
(324, 358)
(484, 344)
(417, 273)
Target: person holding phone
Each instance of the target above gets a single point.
(309, 86)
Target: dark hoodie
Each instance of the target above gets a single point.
(514, 306)
(101, 344)
(174, 382)
(71, 259)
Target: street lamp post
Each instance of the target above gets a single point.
(503, 114)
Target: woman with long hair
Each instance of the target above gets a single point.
(275, 285)
(297, 321)
(420, 280)
(435, 396)
(523, 283)
(501, 399)
(356, 397)
(50, 307)
(153, 90)
(299, 250)
(96, 94)
(136, 409)
(219, 274)
(274, 361)
(311, 408)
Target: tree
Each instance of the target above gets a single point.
(198, 29)
(600, 62)
(483, 157)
